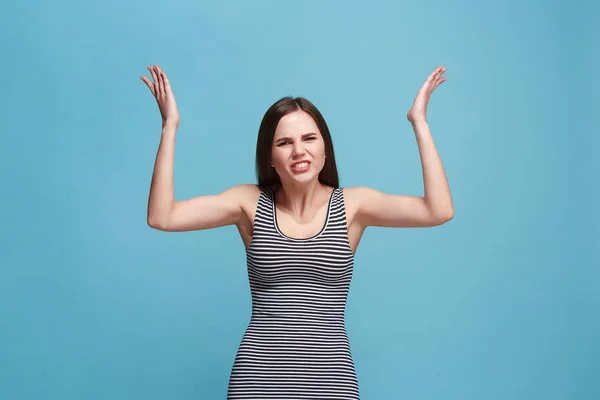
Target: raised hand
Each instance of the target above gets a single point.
(161, 90)
(418, 111)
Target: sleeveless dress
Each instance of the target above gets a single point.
(296, 346)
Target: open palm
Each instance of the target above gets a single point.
(418, 111)
(162, 92)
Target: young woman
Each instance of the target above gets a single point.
(300, 230)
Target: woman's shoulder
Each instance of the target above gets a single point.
(350, 193)
(244, 195)
(248, 193)
(246, 190)
(353, 192)
(357, 195)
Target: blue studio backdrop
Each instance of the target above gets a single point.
(500, 303)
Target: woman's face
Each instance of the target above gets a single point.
(298, 151)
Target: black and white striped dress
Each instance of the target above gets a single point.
(296, 346)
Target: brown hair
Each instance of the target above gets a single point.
(266, 175)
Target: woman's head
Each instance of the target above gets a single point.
(294, 144)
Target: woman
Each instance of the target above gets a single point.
(300, 231)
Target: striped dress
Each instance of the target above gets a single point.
(296, 346)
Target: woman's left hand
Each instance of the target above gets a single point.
(418, 111)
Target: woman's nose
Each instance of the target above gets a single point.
(298, 150)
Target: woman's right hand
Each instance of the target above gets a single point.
(161, 90)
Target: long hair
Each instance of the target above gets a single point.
(266, 175)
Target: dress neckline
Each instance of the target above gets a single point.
(324, 226)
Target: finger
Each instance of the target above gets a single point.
(161, 82)
(436, 76)
(153, 73)
(149, 84)
(444, 69)
(429, 83)
(436, 72)
(430, 78)
(440, 76)
(167, 83)
(154, 79)
(157, 82)
(439, 82)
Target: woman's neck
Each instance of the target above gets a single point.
(300, 198)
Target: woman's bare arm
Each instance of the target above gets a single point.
(435, 207)
(197, 213)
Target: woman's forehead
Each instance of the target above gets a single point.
(296, 124)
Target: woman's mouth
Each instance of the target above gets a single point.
(300, 166)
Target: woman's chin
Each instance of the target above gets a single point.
(302, 178)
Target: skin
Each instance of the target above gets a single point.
(302, 201)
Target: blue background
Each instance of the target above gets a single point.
(501, 303)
